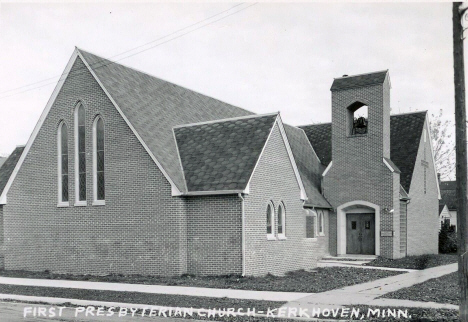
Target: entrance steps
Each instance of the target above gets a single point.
(346, 260)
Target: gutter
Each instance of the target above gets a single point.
(243, 234)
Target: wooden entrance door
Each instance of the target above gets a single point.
(360, 234)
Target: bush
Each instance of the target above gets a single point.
(447, 239)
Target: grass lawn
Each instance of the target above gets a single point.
(441, 290)
(318, 280)
(139, 298)
(415, 262)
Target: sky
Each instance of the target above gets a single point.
(264, 57)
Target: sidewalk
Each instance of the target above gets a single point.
(368, 293)
(158, 289)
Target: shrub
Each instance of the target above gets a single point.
(447, 239)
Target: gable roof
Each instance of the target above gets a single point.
(368, 79)
(441, 207)
(309, 166)
(154, 106)
(405, 136)
(448, 193)
(221, 155)
(151, 108)
(6, 169)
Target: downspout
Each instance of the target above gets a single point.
(243, 234)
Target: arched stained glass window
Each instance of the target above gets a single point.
(62, 140)
(99, 182)
(80, 149)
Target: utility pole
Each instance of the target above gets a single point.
(461, 158)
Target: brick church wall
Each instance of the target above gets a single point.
(423, 211)
(140, 228)
(214, 235)
(274, 180)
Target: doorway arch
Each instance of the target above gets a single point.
(357, 206)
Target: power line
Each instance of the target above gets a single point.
(130, 50)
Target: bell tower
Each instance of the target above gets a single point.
(361, 179)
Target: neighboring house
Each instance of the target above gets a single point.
(6, 169)
(448, 193)
(127, 173)
(444, 214)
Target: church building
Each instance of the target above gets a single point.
(126, 173)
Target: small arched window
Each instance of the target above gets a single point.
(281, 221)
(80, 156)
(62, 145)
(98, 161)
(270, 221)
(321, 223)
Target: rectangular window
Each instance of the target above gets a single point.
(310, 227)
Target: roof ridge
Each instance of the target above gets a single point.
(159, 78)
(362, 74)
(225, 120)
(406, 113)
(324, 123)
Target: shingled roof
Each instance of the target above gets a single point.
(2, 160)
(150, 103)
(309, 166)
(448, 193)
(405, 135)
(221, 155)
(369, 79)
(6, 169)
(154, 106)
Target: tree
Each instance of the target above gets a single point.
(443, 146)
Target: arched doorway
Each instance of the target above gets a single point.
(358, 228)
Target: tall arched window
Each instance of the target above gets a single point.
(281, 221)
(62, 145)
(270, 220)
(98, 162)
(80, 156)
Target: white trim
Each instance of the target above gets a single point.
(291, 157)
(283, 218)
(175, 189)
(224, 120)
(260, 156)
(96, 201)
(427, 121)
(213, 192)
(99, 203)
(388, 165)
(63, 204)
(243, 235)
(341, 224)
(76, 157)
(327, 169)
(313, 150)
(82, 203)
(180, 160)
(45, 112)
(271, 236)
